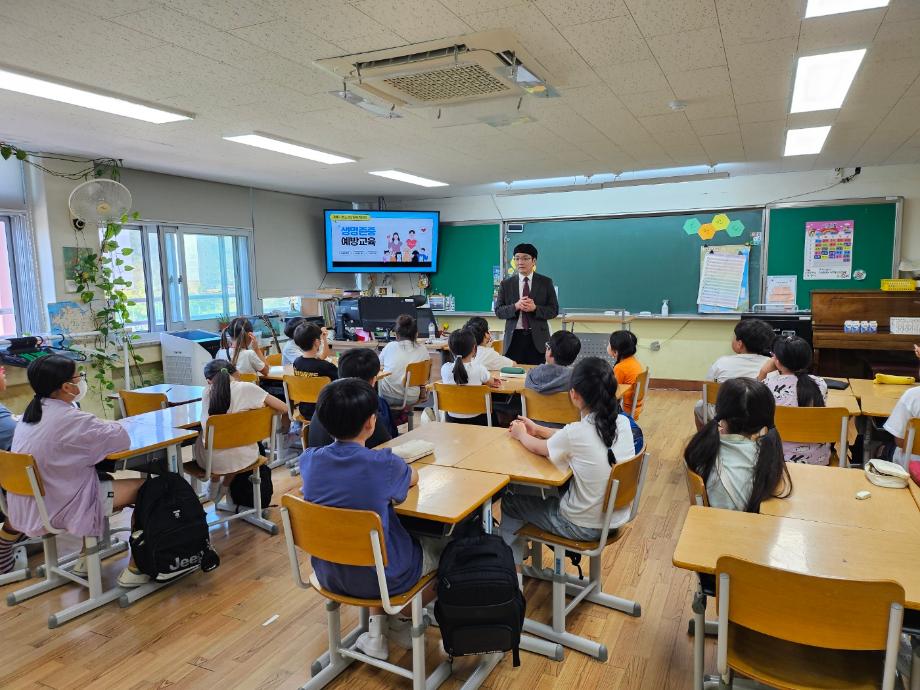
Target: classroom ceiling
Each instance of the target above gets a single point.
(247, 65)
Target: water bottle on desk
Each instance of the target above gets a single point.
(432, 331)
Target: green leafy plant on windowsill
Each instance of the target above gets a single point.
(101, 286)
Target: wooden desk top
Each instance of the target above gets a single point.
(508, 456)
(828, 494)
(805, 546)
(446, 494)
(875, 406)
(914, 491)
(187, 416)
(176, 393)
(453, 442)
(436, 346)
(278, 372)
(836, 398)
(867, 387)
(148, 437)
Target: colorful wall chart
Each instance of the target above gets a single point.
(828, 250)
(719, 222)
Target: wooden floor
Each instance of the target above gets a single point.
(210, 630)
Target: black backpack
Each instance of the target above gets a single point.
(480, 606)
(241, 488)
(170, 536)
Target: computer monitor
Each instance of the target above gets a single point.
(382, 312)
(784, 324)
(425, 317)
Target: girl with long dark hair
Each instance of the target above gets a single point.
(601, 438)
(786, 375)
(239, 345)
(464, 371)
(739, 453)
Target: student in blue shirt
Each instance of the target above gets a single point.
(360, 363)
(346, 474)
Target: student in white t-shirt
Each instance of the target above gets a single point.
(486, 356)
(240, 346)
(225, 393)
(739, 453)
(463, 371)
(751, 347)
(590, 447)
(395, 357)
(907, 407)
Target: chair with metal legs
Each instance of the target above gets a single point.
(624, 489)
(354, 537)
(19, 475)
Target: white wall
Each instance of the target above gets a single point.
(12, 193)
(893, 180)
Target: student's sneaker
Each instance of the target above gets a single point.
(215, 490)
(132, 578)
(79, 567)
(374, 641)
(400, 631)
(9, 554)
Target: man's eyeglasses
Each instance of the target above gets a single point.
(79, 375)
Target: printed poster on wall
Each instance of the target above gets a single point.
(828, 250)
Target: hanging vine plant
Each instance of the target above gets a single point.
(102, 275)
(101, 283)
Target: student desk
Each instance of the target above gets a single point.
(278, 372)
(187, 416)
(863, 388)
(805, 546)
(448, 495)
(828, 495)
(453, 442)
(874, 406)
(148, 439)
(914, 492)
(838, 398)
(507, 456)
(176, 393)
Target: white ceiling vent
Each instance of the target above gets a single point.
(478, 66)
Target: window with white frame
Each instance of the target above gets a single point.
(205, 272)
(9, 307)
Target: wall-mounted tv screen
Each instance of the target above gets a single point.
(381, 241)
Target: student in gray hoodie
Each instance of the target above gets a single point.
(555, 376)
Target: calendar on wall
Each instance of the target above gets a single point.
(828, 250)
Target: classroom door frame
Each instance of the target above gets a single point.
(898, 201)
(505, 222)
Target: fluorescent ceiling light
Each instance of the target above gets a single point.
(42, 88)
(800, 142)
(822, 8)
(406, 177)
(822, 81)
(263, 141)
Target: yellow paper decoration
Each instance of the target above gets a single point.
(707, 231)
(720, 221)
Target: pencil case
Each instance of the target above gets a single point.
(894, 380)
(512, 370)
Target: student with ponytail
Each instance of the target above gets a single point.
(464, 371)
(786, 375)
(67, 444)
(225, 393)
(589, 447)
(739, 453)
(240, 346)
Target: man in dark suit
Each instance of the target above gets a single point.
(527, 301)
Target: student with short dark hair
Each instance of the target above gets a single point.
(360, 363)
(291, 351)
(311, 339)
(622, 347)
(786, 375)
(347, 474)
(739, 453)
(555, 375)
(486, 356)
(395, 357)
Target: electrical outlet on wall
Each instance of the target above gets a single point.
(654, 346)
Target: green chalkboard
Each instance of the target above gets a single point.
(466, 257)
(874, 243)
(633, 262)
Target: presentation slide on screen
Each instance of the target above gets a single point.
(381, 241)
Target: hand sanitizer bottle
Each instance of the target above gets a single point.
(665, 308)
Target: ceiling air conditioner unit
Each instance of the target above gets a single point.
(490, 64)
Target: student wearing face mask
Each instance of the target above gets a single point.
(67, 443)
